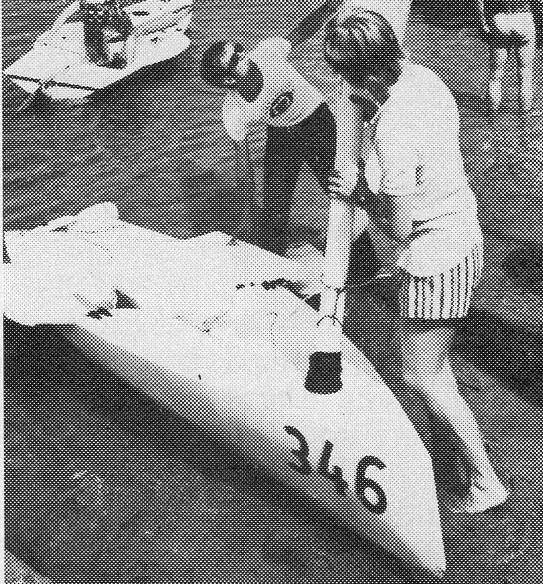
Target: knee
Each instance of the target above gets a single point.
(425, 382)
(525, 69)
(417, 380)
(497, 73)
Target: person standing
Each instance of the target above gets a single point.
(422, 218)
(510, 31)
(106, 28)
(263, 86)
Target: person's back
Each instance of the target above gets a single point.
(285, 98)
(420, 122)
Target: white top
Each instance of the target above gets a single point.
(411, 149)
(285, 99)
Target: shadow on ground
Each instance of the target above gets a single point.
(510, 352)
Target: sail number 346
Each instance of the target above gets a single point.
(378, 502)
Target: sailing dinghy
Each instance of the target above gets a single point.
(209, 331)
(57, 63)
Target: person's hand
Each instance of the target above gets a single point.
(386, 227)
(342, 184)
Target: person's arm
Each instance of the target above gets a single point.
(398, 160)
(349, 138)
(312, 23)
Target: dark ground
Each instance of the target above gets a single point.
(155, 501)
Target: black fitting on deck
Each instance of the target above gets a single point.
(324, 373)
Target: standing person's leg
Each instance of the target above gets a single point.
(282, 164)
(525, 67)
(498, 62)
(426, 370)
(429, 306)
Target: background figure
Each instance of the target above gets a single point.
(264, 86)
(105, 28)
(423, 219)
(395, 11)
(510, 30)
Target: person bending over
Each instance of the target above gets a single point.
(263, 86)
(510, 31)
(106, 28)
(423, 218)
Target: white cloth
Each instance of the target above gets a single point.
(411, 150)
(286, 97)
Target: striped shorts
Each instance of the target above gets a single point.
(442, 296)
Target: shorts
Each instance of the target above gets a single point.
(442, 296)
(517, 28)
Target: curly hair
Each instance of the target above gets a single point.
(362, 43)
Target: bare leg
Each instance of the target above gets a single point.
(498, 61)
(426, 370)
(525, 62)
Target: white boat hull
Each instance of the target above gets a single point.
(58, 64)
(232, 357)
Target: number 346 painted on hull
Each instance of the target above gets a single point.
(361, 484)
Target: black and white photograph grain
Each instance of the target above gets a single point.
(272, 291)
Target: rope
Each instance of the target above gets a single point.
(356, 286)
(343, 289)
(208, 325)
